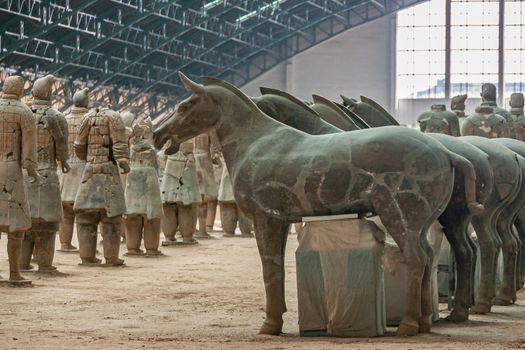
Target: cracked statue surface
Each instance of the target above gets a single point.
(17, 151)
(44, 199)
(280, 175)
(70, 181)
(143, 201)
(102, 141)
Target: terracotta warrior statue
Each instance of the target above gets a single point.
(180, 195)
(230, 213)
(489, 96)
(127, 118)
(457, 105)
(45, 202)
(485, 122)
(17, 151)
(439, 120)
(102, 142)
(204, 152)
(143, 202)
(71, 181)
(516, 111)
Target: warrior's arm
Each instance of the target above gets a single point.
(81, 141)
(119, 137)
(466, 129)
(28, 142)
(58, 128)
(454, 127)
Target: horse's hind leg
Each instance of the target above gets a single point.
(506, 293)
(489, 252)
(455, 223)
(271, 235)
(427, 310)
(406, 232)
(519, 223)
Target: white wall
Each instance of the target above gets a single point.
(360, 61)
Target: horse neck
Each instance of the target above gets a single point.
(240, 126)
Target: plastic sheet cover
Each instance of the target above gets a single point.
(340, 279)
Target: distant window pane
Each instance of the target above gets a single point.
(474, 45)
(514, 69)
(421, 50)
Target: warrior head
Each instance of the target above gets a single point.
(128, 118)
(458, 103)
(80, 98)
(42, 87)
(488, 92)
(14, 85)
(517, 100)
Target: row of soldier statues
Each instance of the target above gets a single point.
(489, 120)
(99, 169)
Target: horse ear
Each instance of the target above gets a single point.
(190, 85)
(350, 102)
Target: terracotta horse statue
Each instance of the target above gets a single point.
(281, 174)
(291, 111)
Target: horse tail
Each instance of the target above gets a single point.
(465, 166)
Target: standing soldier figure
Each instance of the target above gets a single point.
(489, 96)
(485, 123)
(45, 202)
(516, 111)
(102, 142)
(180, 195)
(70, 182)
(17, 151)
(207, 186)
(143, 202)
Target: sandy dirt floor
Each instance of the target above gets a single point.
(208, 296)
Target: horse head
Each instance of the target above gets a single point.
(196, 114)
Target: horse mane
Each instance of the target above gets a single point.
(214, 81)
(324, 101)
(380, 109)
(361, 124)
(271, 91)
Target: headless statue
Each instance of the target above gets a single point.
(489, 96)
(71, 181)
(143, 202)
(17, 151)
(44, 199)
(180, 196)
(102, 142)
(439, 120)
(204, 152)
(516, 112)
(485, 123)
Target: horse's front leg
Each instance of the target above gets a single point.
(271, 235)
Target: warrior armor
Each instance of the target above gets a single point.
(179, 182)
(439, 120)
(516, 110)
(203, 154)
(102, 141)
(52, 134)
(17, 149)
(485, 123)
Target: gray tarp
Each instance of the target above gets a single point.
(340, 279)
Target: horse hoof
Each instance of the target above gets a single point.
(271, 329)
(406, 330)
(480, 309)
(457, 317)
